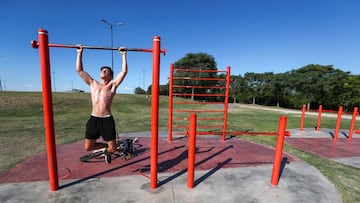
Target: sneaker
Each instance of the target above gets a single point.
(107, 156)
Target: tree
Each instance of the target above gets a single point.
(198, 61)
(251, 86)
(234, 88)
(163, 90)
(350, 95)
(138, 90)
(318, 84)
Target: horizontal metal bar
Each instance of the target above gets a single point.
(209, 126)
(201, 103)
(199, 87)
(191, 70)
(199, 95)
(240, 133)
(35, 44)
(198, 111)
(199, 126)
(200, 119)
(191, 78)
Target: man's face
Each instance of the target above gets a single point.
(105, 74)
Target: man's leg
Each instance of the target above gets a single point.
(90, 145)
(109, 133)
(111, 146)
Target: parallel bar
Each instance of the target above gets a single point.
(302, 121)
(279, 151)
(319, 118)
(191, 151)
(353, 120)
(338, 122)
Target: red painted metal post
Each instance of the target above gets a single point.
(226, 103)
(353, 120)
(319, 118)
(191, 151)
(302, 117)
(338, 122)
(278, 151)
(48, 109)
(155, 112)
(170, 114)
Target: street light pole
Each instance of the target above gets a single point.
(112, 40)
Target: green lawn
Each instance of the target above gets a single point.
(22, 129)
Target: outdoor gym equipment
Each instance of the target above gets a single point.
(178, 109)
(338, 120)
(281, 133)
(43, 45)
(177, 117)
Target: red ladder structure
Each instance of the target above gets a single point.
(209, 120)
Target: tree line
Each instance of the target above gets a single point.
(312, 85)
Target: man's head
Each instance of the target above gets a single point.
(105, 70)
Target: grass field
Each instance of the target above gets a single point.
(22, 129)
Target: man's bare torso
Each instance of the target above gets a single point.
(101, 97)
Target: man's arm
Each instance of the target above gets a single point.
(79, 67)
(120, 77)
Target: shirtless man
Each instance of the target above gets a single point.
(101, 122)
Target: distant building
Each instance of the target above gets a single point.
(76, 91)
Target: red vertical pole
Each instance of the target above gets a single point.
(48, 109)
(170, 114)
(155, 112)
(191, 151)
(353, 120)
(319, 118)
(302, 117)
(278, 151)
(226, 103)
(338, 122)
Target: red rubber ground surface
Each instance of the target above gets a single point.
(211, 153)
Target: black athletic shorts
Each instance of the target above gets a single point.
(100, 126)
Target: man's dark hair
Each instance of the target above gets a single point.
(111, 71)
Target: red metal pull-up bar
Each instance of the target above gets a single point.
(43, 46)
(35, 44)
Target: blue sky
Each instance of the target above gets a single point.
(248, 35)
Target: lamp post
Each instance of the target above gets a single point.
(112, 39)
